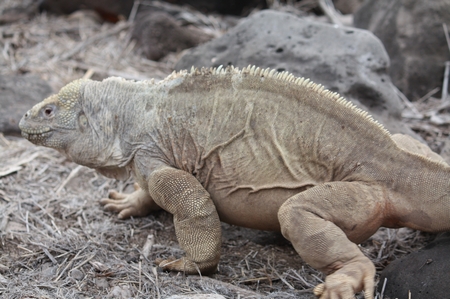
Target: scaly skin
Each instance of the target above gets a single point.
(253, 148)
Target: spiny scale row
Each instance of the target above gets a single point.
(253, 70)
(286, 76)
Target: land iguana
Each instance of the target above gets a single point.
(254, 148)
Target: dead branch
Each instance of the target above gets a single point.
(328, 9)
(95, 38)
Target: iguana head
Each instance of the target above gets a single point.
(54, 121)
(77, 123)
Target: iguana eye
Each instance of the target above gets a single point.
(48, 111)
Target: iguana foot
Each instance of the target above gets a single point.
(354, 276)
(186, 266)
(139, 203)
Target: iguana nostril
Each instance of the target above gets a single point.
(27, 114)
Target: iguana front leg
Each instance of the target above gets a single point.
(196, 221)
(139, 203)
(323, 222)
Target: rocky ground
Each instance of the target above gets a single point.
(55, 239)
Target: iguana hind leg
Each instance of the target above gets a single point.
(196, 221)
(323, 222)
(139, 203)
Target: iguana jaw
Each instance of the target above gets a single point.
(44, 135)
(36, 135)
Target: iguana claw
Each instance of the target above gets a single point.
(353, 277)
(184, 265)
(139, 203)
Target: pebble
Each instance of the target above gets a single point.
(77, 274)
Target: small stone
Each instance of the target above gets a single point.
(120, 292)
(102, 283)
(76, 274)
(48, 270)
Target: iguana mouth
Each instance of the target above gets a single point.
(36, 134)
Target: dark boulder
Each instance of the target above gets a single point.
(412, 33)
(424, 273)
(17, 94)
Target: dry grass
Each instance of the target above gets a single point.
(57, 242)
(60, 49)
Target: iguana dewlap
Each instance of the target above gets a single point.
(254, 148)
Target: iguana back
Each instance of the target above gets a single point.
(252, 135)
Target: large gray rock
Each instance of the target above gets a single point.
(158, 33)
(17, 94)
(110, 10)
(424, 273)
(350, 61)
(412, 33)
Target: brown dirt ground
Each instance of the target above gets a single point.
(57, 242)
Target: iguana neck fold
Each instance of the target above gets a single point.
(118, 127)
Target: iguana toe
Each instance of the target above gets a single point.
(353, 277)
(139, 203)
(186, 266)
(121, 206)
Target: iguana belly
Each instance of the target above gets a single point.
(257, 210)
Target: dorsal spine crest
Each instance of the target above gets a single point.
(253, 70)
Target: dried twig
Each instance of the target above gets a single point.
(17, 165)
(447, 66)
(242, 292)
(383, 288)
(445, 82)
(147, 247)
(50, 256)
(95, 38)
(328, 9)
(428, 95)
(85, 261)
(70, 263)
(45, 225)
(282, 279)
(72, 174)
(4, 140)
(447, 36)
(134, 11)
(4, 196)
(413, 112)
